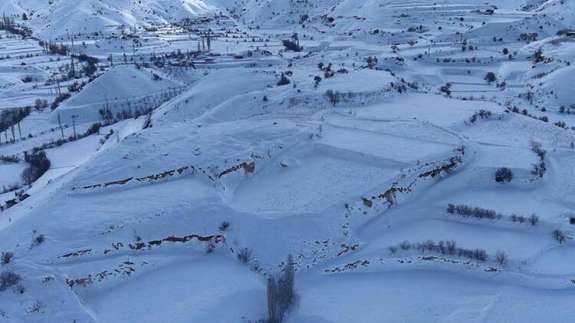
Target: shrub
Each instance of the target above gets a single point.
(245, 255)
(446, 89)
(293, 43)
(224, 226)
(316, 81)
(490, 77)
(538, 56)
(539, 169)
(40, 104)
(10, 159)
(503, 175)
(537, 148)
(283, 80)
(6, 258)
(8, 279)
(59, 99)
(38, 240)
(36, 307)
(405, 245)
(210, 247)
(94, 129)
(481, 114)
(371, 62)
(333, 97)
(27, 79)
(39, 164)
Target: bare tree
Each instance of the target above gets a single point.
(280, 292)
(501, 257)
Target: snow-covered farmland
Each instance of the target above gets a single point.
(301, 161)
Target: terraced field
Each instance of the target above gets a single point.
(167, 161)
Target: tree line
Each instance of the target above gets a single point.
(10, 119)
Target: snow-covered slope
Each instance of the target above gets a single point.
(116, 90)
(563, 10)
(59, 18)
(414, 158)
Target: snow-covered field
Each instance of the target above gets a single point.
(160, 160)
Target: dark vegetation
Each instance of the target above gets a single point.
(38, 165)
(481, 213)
(503, 175)
(442, 247)
(280, 293)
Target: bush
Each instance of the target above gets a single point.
(292, 43)
(210, 247)
(8, 279)
(503, 175)
(59, 99)
(481, 114)
(245, 255)
(371, 62)
(446, 89)
(39, 164)
(36, 307)
(283, 80)
(38, 240)
(537, 148)
(490, 77)
(90, 69)
(9, 159)
(539, 169)
(6, 258)
(533, 219)
(224, 226)
(40, 104)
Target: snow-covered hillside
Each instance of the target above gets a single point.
(297, 161)
(59, 18)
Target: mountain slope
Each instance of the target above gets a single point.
(59, 18)
(397, 161)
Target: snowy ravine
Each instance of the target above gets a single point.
(190, 161)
